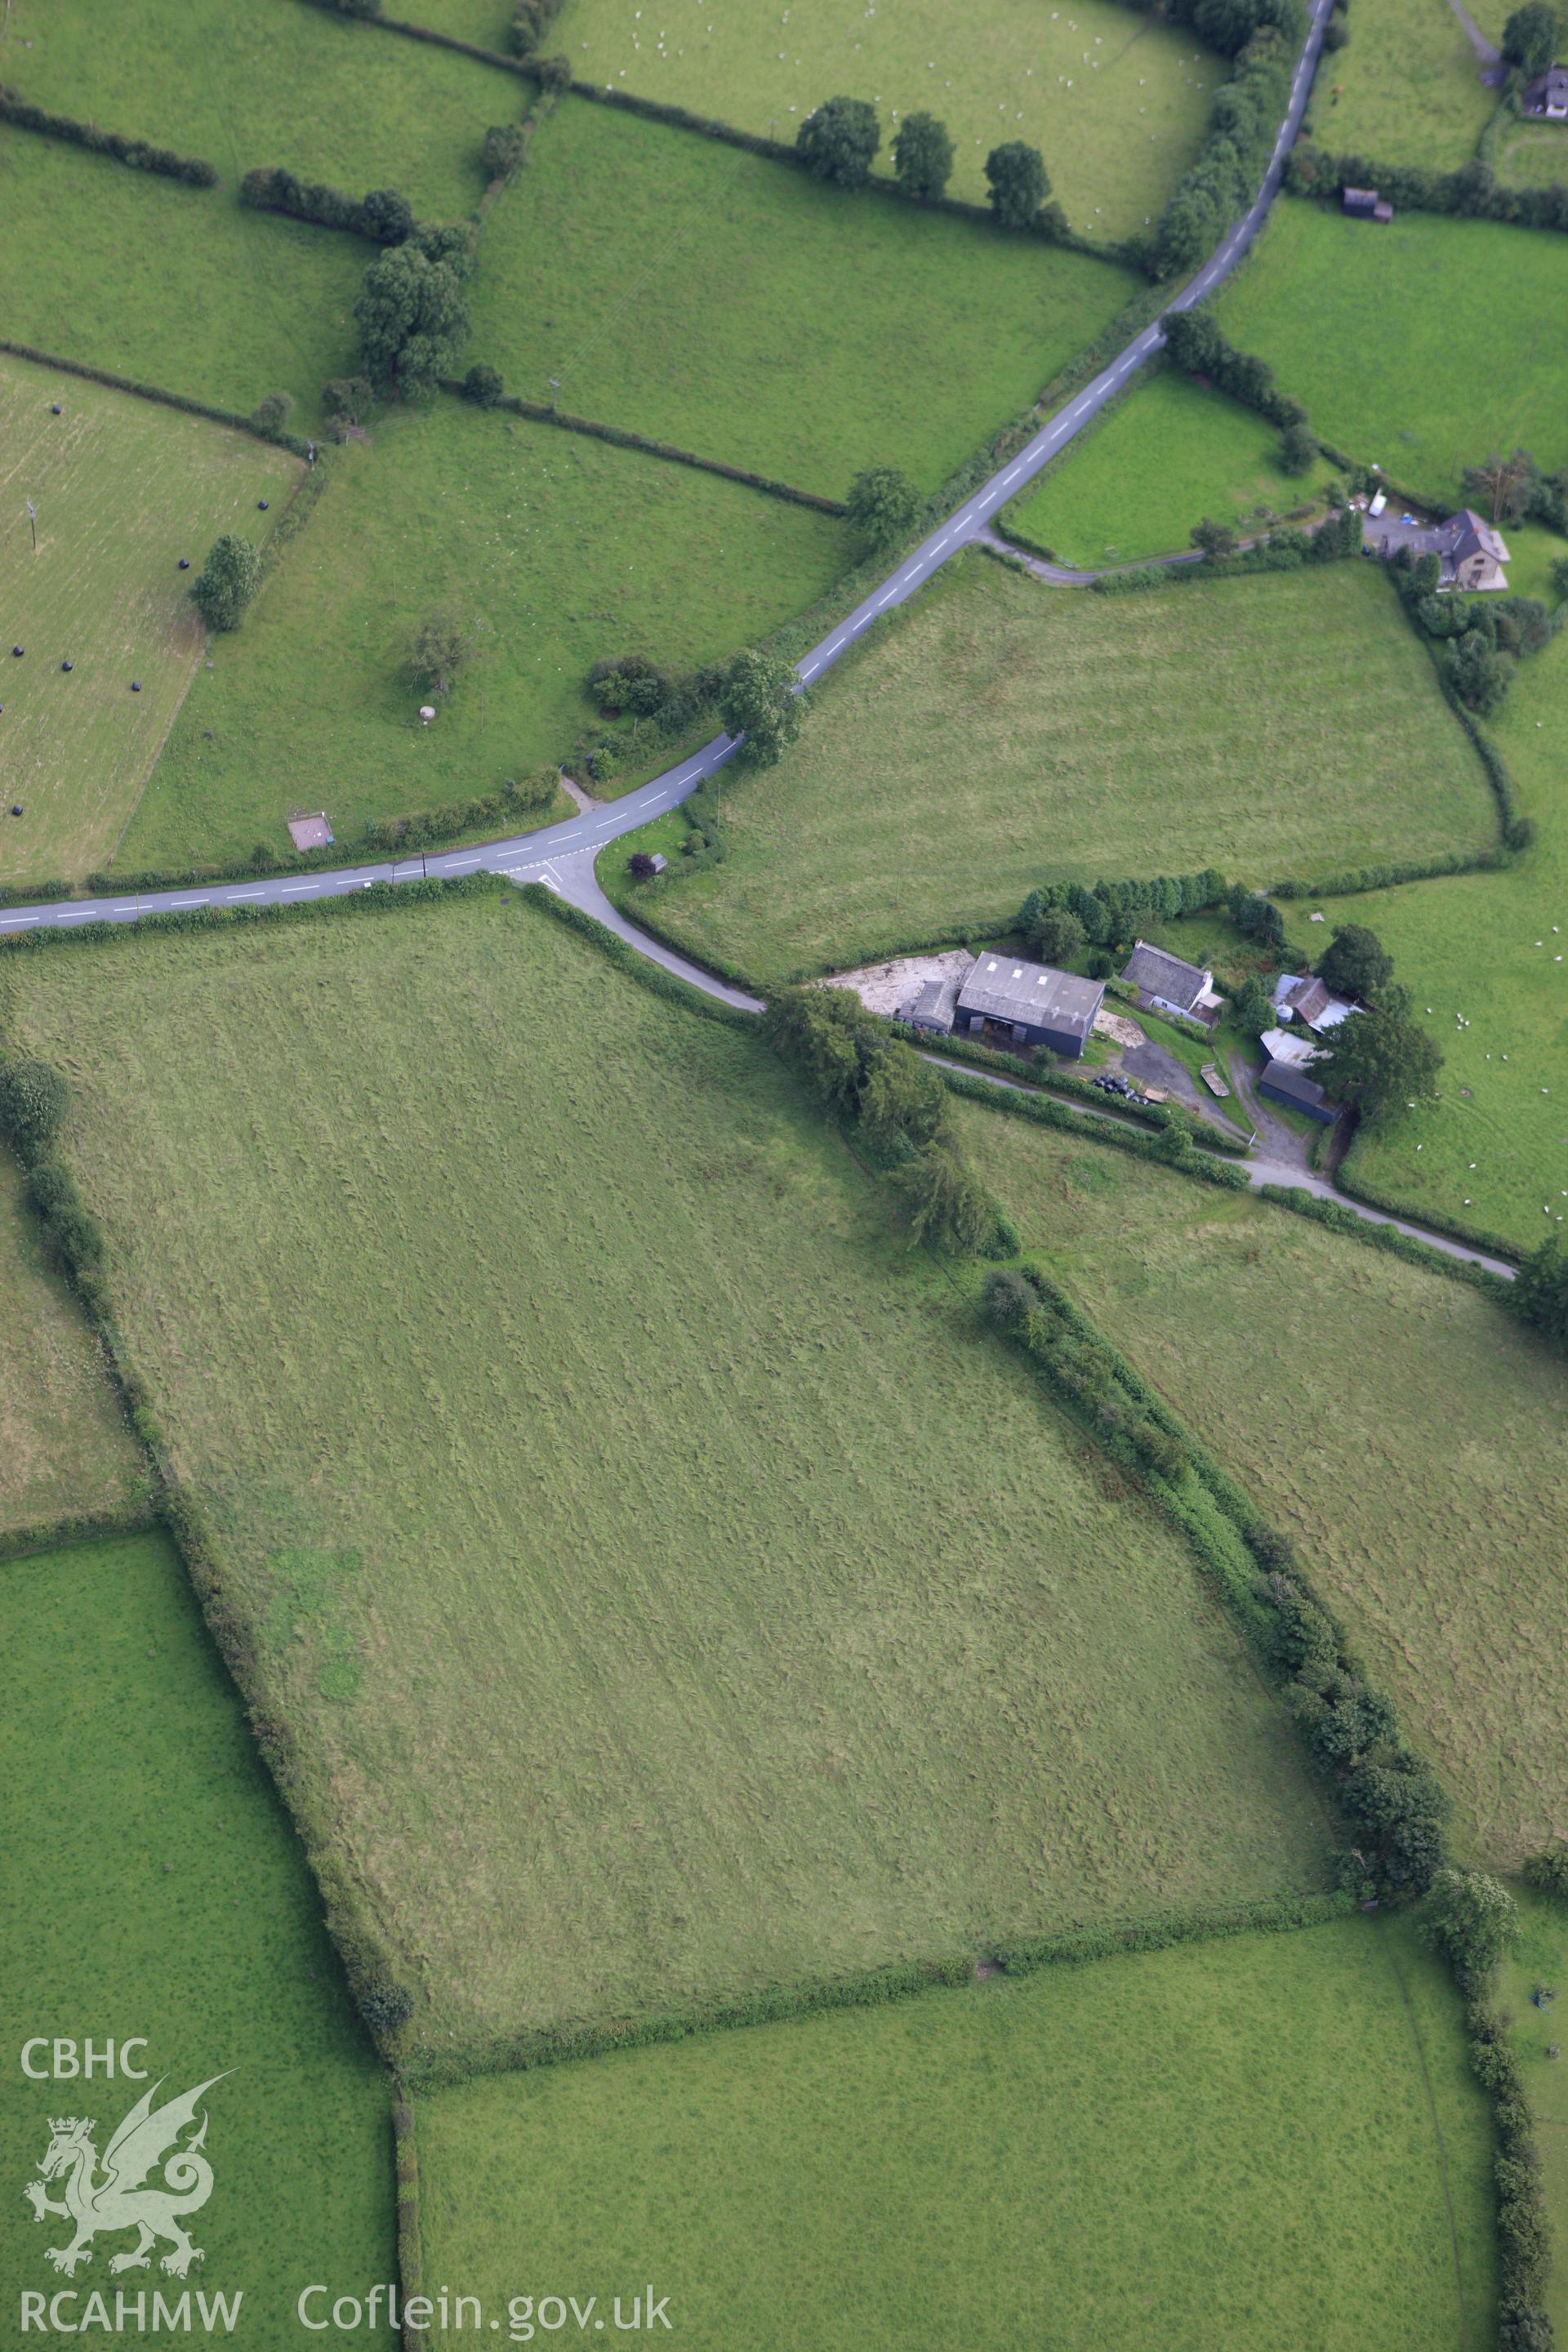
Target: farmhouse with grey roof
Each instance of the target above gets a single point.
(1040, 1005)
(1166, 981)
(1547, 94)
(1471, 553)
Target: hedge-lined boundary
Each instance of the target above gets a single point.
(19, 893)
(410, 2234)
(1173, 1149)
(1342, 1219)
(1350, 1732)
(1067, 1082)
(1469, 194)
(872, 1987)
(654, 977)
(542, 412)
(76, 1527)
(138, 155)
(1349, 1179)
(1294, 1197)
(1357, 879)
(550, 73)
(375, 897)
(231, 416)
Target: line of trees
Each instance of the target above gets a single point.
(839, 140)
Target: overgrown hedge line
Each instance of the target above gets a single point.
(1472, 191)
(140, 154)
(270, 189)
(1286, 549)
(518, 797)
(542, 412)
(872, 1987)
(1385, 877)
(153, 391)
(1066, 1082)
(1340, 1219)
(375, 897)
(21, 893)
(77, 1527)
(410, 2236)
(1173, 1148)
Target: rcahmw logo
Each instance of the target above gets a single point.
(151, 2178)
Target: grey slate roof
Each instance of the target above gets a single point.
(933, 1004)
(1166, 976)
(1287, 1080)
(1005, 988)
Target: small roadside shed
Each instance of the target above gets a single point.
(1040, 1005)
(1365, 203)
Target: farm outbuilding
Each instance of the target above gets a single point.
(1288, 1082)
(1040, 1005)
(1166, 981)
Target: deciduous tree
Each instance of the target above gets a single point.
(1531, 37)
(1355, 961)
(226, 582)
(922, 155)
(882, 506)
(439, 649)
(1377, 1058)
(412, 321)
(839, 140)
(759, 699)
(1018, 183)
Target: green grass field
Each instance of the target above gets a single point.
(552, 548)
(1003, 731)
(123, 488)
(619, 1483)
(1163, 458)
(1542, 1958)
(280, 84)
(1053, 2160)
(732, 305)
(1408, 89)
(64, 1448)
(1357, 323)
(1494, 1152)
(1533, 155)
(171, 286)
(1398, 1426)
(1116, 105)
(167, 1898)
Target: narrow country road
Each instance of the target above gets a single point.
(562, 855)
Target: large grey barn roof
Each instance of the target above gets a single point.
(1005, 988)
(1292, 1081)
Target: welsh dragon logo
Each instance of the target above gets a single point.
(146, 2139)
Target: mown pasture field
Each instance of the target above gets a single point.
(1542, 1959)
(1533, 155)
(167, 1898)
(1356, 321)
(552, 548)
(279, 85)
(122, 489)
(170, 286)
(654, 279)
(1397, 1424)
(1406, 88)
(1001, 731)
(1060, 2150)
(1162, 459)
(611, 1486)
(65, 1450)
(1494, 1151)
(1116, 104)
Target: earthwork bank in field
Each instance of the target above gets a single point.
(1396, 1423)
(167, 1898)
(849, 2168)
(122, 489)
(1001, 732)
(606, 1486)
(655, 280)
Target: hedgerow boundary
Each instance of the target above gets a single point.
(553, 74)
(156, 391)
(542, 412)
(137, 154)
(76, 1527)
